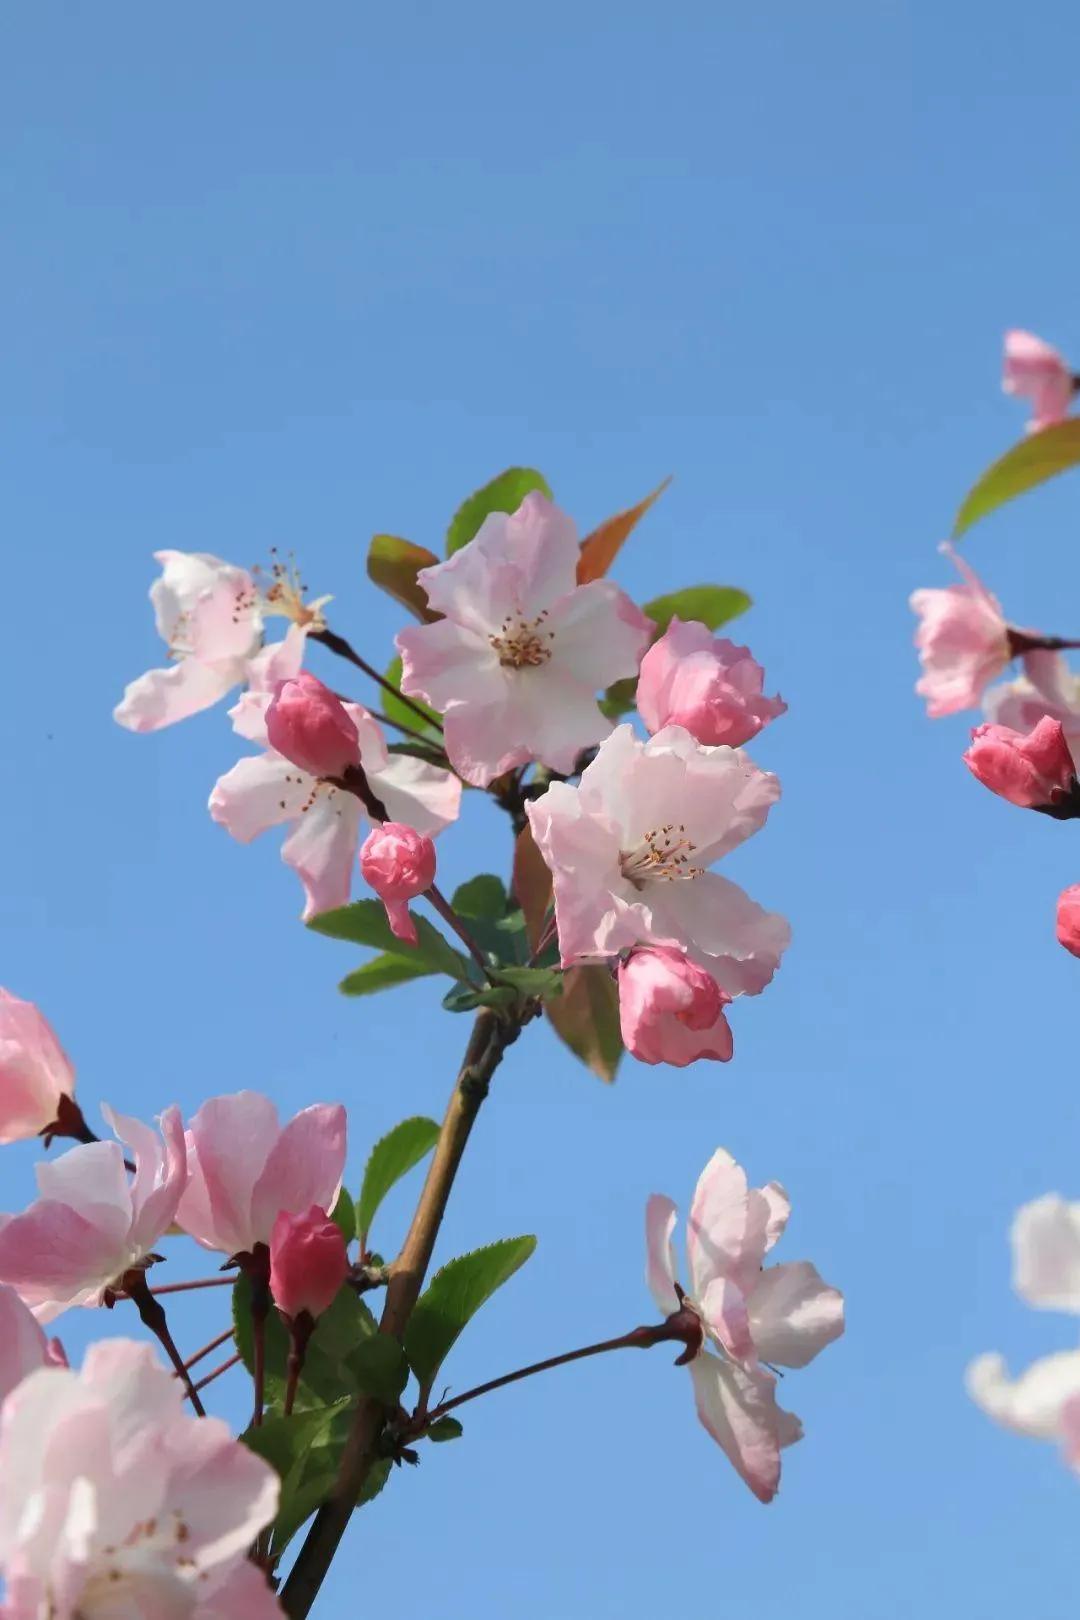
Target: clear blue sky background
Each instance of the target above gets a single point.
(290, 275)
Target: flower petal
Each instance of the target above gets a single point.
(161, 697)
(660, 1218)
(321, 849)
(420, 795)
(794, 1314)
(739, 1410)
(258, 793)
(723, 1307)
(1046, 1254)
(305, 1167)
(1031, 1404)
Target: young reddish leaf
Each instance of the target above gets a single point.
(1036, 458)
(599, 549)
(531, 884)
(393, 565)
(586, 1018)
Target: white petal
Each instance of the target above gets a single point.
(660, 1218)
(321, 849)
(794, 1314)
(1032, 1403)
(739, 1410)
(258, 793)
(1046, 1254)
(418, 794)
(161, 697)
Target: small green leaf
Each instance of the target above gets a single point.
(532, 981)
(364, 923)
(463, 999)
(482, 896)
(453, 1296)
(327, 1375)
(305, 1449)
(586, 1018)
(445, 1428)
(504, 494)
(1036, 458)
(380, 1368)
(619, 697)
(393, 565)
(377, 1476)
(396, 709)
(392, 1157)
(343, 1215)
(382, 973)
(711, 605)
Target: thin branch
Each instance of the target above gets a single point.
(1021, 642)
(153, 1316)
(217, 1372)
(215, 1344)
(438, 901)
(337, 644)
(200, 1282)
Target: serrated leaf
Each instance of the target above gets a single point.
(363, 922)
(382, 973)
(343, 1215)
(1038, 457)
(503, 494)
(711, 605)
(380, 1368)
(326, 1376)
(396, 709)
(305, 1450)
(586, 1018)
(392, 1157)
(532, 884)
(444, 1428)
(452, 1298)
(393, 565)
(482, 896)
(600, 548)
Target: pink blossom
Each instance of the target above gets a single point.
(1035, 772)
(34, 1070)
(517, 660)
(628, 851)
(266, 790)
(670, 1009)
(246, 1168)
(963, 642)
(399, 863)
(1047, 687)
(308, 724)
(92, 1223)
(783, 1315)
(308, 1262)
(114, 1503)
(1035, 371)
(694, 679)
(1068, 918)
(23, 1346)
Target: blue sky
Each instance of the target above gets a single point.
(281, 275)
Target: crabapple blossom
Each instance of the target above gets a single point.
(1047, 687)
(628, 850)
(308, 724)
(963, 642)
(92, 1223)
(399, 864)
(308, 1262)
(115, 1504)
(1035, 772)
(694, 679)
(1068, 918)
(670, 1009)
(246, 1168)
(23, 1346)
(1035, 371)
(782, 1315)
(35, 1073)
(517, 659)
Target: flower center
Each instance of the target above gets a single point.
(662, 856)
(284, 593)
(523, 643)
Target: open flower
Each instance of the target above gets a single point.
(782, 1315)
(35, 1073)
(23, 1346)
(246, 1168)
(517, 660)
(670, 1009)
(1034, 370)
(92, 1223)
(694, 679)
(628, 851)
(963, 642)
(115, 1504)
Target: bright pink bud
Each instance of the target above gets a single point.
(1068, 921)
(1036, 371)
(399, 863)
(309, 726)
(670, 1009)
(714, 689)
(1035, 772)
(308, 1262)
(34, 1071)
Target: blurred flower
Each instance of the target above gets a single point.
(1068, 918)
(963, 642)
(1035, 772)
(23, 1346)
(35, 1072)
(1035, 371)
(694, 679)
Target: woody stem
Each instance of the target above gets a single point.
(153, 1316)
(337, 644)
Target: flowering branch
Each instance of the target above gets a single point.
(1023, 641)
(337, 644)
(439, 903)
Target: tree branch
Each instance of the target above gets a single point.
(337, 644)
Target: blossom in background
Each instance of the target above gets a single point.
(1035, 371)
(1047, 688)
(628, 850)
(23, 1346)
(308, 1262)
(1034, 772)
(963, 642)
(749, 1316)
(522, 649)
(35, 1072)
(694, 679)
(1068, 918)
(399, 864)
(114, 1503)
(670, 1009)
(92, 1223)
(245, 1168)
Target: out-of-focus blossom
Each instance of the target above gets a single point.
(522, 649)
(1035, 371)
(308, 1262)
(714, 689)
(399, 864)
(23, 1346)
(963, 642)
(309, 725)
(1046, 689)
(1034, 772)
(670, 1009)
(1068, 918)
(34, 1070)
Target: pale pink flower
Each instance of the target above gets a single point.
(1034, 370)
(1068, 918)
(267, 790)
(1034, 772)
(1046, 689)
(399, 864)
(783, 1315)
(309, 725)
(115, 1504)
(92, 1223)
(23, 1346)
(629, 847)
(245, 1168)
(694, 679)
(963, 642)
(308, 1262)
(670, 1009)
(35, 1072)
(517, 660)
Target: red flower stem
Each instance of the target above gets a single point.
(257, 1269)
(337, 644)
(1021, 642)
(153, 1316)
(215, 1344)
(199, 1282)
(301, 1328)
(217, 1372)
(439, 903)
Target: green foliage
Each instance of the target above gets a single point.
(463, 999)
(379, 1368)
(586, 1018)
(482, 896)
(444, 1428)
(454, 1295)
(392, 1157)
(328, 1372)
(363, 922)
(393, 565)
(619, 697)
(504, 494)
(1036, 458)
(305, 1449)
(712, 605)
(344, 1215)
(397, 710)
(382, 973)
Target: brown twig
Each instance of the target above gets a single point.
(217, 1372)
(153, 1316)
(199, 1282)
(337, 644)
(215, 1344)
(438, 901)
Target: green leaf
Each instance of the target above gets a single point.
(382, 973)
(445, 1428)
(380, 1368)
(453, 1296)
(482, 896)
(600, 548)
(305, 1449)
(464, 999)
(586, 1018)
(364, 923)
(343, 1215)
(504, 494)
(396, 709)
(619, 697)
(392, 1157)
(393, 565)
(532, 981)
(377, 1476)
(712, 605)
(1036, 458)
(327, 1375)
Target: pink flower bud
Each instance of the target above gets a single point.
(712, 688)
(307, 724)
(1068, 919)
(1035, 772)
(1036, 371)
(308, 1262)
(34, 1071)
(670, 1009)
(399, 863)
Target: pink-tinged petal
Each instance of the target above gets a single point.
(484, 741)
(794, 1314)
(600, 634)
(446, 663)
(54, 1256)
(670, 1009)
(23, 1348)
(161, 697)
(705, 683)
(963, 642)
(1046, 1254)
(278, 660)
(582, 851)
(188, 578)
(242, 1595)
(725, 1234)
(726, 797)
(224, 1493)
(248, 716)
(723, 1308)
(1033, 369)
(229, 1142)
(1031, 1404)
(305, 1167)
(161, 1173)
(739, 1411)
(258, 793)
(35, 1071)
(738, 941)
(778, 1209)
(522, 562)
(401, 923)
(420, 795)
(660, 1218)
(92, 1179)
(321, 849)
(223, 626)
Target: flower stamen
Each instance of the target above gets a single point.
(662, 856)
(523, 643)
